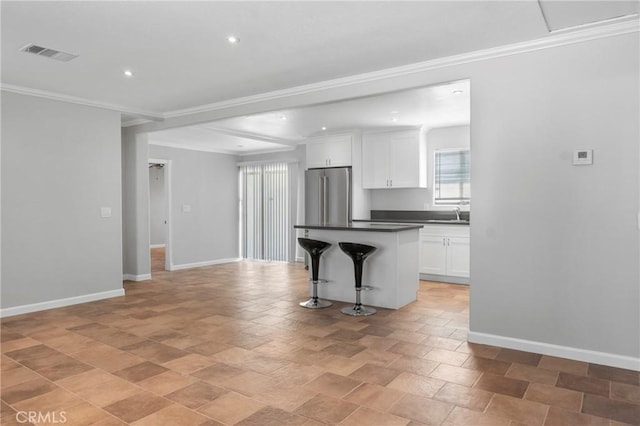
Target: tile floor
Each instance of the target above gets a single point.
(228, 345)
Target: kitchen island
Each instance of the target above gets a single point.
(392, 270)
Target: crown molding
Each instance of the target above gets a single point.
(135, 122)
(148, 115)
(269, 151)
(216, 150)
(590, 25)
(177, 145)
(550, 41)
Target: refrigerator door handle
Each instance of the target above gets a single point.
(325, 213)
(321, 199)
(347, 219)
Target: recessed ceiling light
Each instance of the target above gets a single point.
(283, 117)
(324, 128)
(394, 112)
(128, 73)
(394, 119)
(233, 39)
(457, 92)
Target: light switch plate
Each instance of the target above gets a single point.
(186, 208)
(582, 157)
(105, 211)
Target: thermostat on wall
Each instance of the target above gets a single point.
(582, 157)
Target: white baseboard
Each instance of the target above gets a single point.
(131, 277)
(577, 354)
(58, 303)
(157, 246)
(444, 279)
(300, 259)
(205, 263)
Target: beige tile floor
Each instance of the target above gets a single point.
(228, 344)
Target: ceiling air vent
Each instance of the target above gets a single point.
(49, 53)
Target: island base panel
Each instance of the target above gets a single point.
(392, 271)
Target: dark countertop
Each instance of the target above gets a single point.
(433, 217)
(361, 226)
(425, 222)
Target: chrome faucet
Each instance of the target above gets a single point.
(457, 210)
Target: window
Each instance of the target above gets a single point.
(452, 179)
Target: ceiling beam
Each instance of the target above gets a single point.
(251, 135)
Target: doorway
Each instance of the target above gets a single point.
(158, 215)
(264, 211)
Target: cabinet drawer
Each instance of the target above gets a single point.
(446, 230)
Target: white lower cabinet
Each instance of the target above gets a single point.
(444, 250)
(433, 254)
(458, 256)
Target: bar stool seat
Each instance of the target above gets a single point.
(358, 254)
(315, 248)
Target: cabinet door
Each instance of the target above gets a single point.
(338, 151)
(458, 256)
(316, 155)
(407, 160)
(433, 255)
(404, 160)
(375, 161)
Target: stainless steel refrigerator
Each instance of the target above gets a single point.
(328, 196)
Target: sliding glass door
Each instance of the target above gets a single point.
(265, 202)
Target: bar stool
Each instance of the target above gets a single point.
(358, 253)
(315, 248)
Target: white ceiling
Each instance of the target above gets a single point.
(181, 60)
(436, 106)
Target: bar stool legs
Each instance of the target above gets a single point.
(358, 253)
(315, 248)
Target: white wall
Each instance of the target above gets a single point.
(422, 198)
(157, 206)
(135, 205)
(555, 250)
(60, 166)
(208, 183)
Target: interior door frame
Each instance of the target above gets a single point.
(168, 258)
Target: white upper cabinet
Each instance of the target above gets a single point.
(329, 151)
(394, 159)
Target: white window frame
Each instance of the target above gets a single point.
(435, 200)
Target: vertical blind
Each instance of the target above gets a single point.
(265, 211)
(452, 179)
